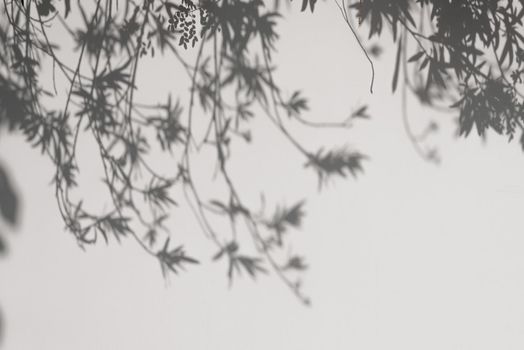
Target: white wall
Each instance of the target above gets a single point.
(408, 256)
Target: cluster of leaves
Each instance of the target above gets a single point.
(183, 17)
(466, 56)
(231, 79)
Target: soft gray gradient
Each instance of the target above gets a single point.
(409, 256)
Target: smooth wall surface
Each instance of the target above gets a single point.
(408, 256)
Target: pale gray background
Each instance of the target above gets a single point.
(409, 256)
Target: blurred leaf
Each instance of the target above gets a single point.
(336, 162)
(67, 7)
(286, 217)
(311, 4)
(295, 105)
(173, 259)
(8, 199)
(229, 249)
(296, 263)
(397, 66)
(252, 265)
(45, 7)
(3, 246)
(361, 113)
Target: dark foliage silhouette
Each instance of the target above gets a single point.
(465, 56)
(462, 56)
(231, 83)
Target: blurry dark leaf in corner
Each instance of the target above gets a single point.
(3, 247)
(8, 199)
